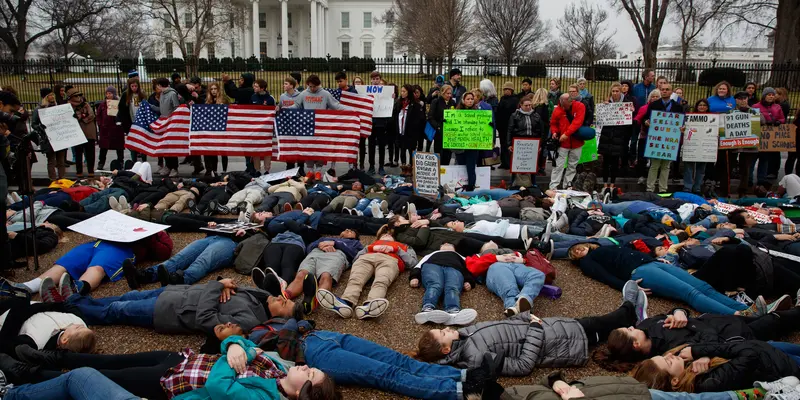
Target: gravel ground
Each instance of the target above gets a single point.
(395, 329)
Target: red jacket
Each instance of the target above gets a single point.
(560, 124)
(398, 251)
(478, 264)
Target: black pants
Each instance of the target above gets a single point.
(138, 373)
(471, 243)
(218, 194)
(377, 145)
(790, 167)
(79, 151)
(63, 219)
(444, 155)
(722, 172)
(212, 163)
(598, 328)
(171, 162)
(774, 163)
(390, 141)
(730, 267)
(104, 152)
(306, 232)
(335, 224)
(774, 325)
(398, 202)
(275, 199)
(362, 151)
(358, 175)
(610, 168)
(317, 201)
(284, 259)
(406, 146)
(641, 162)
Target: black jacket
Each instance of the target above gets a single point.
(659, 105)
(20, 311)
(45, 238)
(707, 328)
(646, 225)
(242, 94)
(614, 139)
(505, 108)
(748, 361)
(436, 113)
(613, 265)
(414, 124)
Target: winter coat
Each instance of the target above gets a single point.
(557, 343)
(592, 387)
(87, 123)
(416, 272)
(112, 136)
(184, 309)
(436, 112)
(613, 265)
(718, 104)
(707, 328)
(521, 125)
(614, 139)
(426, 240)
(771, 114)
(588, 101)
(40, 211)
(748, 361)
(412, 117)
(505, 108)
(124, 115)
(646, 225)
(262, 99)
(659, 105)
(297, 189)
(45, 239)
(585, 224)
(242, 94)
(562, 125)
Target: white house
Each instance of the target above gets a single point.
(304, 28)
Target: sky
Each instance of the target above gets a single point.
(626, 37)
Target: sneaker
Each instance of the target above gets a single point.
(412, 209)
(270, 285)
(547, 249)
(521, 306)
(298, 206)
(192, 206)
(331, 302)
(782, 304)
(371, 171)
(384, 206)
(15, 197)
(240, 207)
(641, 181)
(258, 276)
(376, 210)
(742, 297)
(785, 394)
(112, 201)
(317, 176)
(287, 207)
(133, 275)
(758, 308)
(13, 289)
(346, 210)
(243, 217)
(309, 293)
(49, 292)
(123, 203)
(173, 173)
(641, 306)
(785, 384)
(548, 230)
(66, 287)
(381, 171)
(163, 171)
(630, 292)
(167, 278)
(372, 308)
(462, 317)
(223, 210)
(431, 315)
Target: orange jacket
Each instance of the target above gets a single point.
(559, 124)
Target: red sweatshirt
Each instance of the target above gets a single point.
(398, 251)
(478, 264)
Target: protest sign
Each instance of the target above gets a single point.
(117, 227)
(701, 138)
(588, 151)
(610, 114)
(778, 138)
(456, 176)
(275, 176)
(664, 135)
(61, 127)
(232, 227)
(525, 158)
(113, 107)
(384, 99)
(741, 131)
(468, 130)
(426, 174)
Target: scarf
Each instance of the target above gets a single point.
(525, 112)
(585, 93)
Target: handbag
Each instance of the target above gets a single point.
(490, 157)
(430, 132)
(585, 133)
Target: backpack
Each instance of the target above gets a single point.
(535, 259)
(156, 247)
(585, 182)
(248, 253)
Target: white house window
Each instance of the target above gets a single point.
(167, 23)
(189, 49)
(231, 20)
(233, 48)
(188, 20)
(345, 49)
(289, 20)
(345, 20)
(389, 50)
(367, 20)
(263, 48)
(367, 49)
(262, 20)
(212, 51)
(169, 50)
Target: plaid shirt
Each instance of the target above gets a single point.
(193, 372)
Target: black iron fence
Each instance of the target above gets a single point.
(696, 79)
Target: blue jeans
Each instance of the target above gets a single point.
(659, 395)
(438, 279)
(506, 279)
(199, 258)
(78, 384)
(364, 206)
(707, 222)
(469, 158)
(133, 308)
(97, 202)
(494, 194)
(792, 350)
(673, 282)
(693, 173)
(351, 360)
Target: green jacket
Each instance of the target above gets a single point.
(593, 388)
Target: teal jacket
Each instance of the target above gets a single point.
(223, 384)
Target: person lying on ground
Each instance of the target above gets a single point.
(189, 191)
(185, 222)
(78, 384)
(508, 277)
(47, 236)
(425, 239)
(443, 274)
(214, 199)
(281, 196)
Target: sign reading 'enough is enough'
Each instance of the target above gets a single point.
(468, 130)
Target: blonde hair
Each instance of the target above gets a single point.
(655, 93)
(540, 97)
(618, 85)
(573, 251)
(648, 373)
(446, 88)
(221, 98)
(85, 341)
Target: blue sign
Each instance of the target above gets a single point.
(664, 135)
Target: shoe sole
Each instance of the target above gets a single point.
(65, 281)
(330, 302)
(434, 316)
(281, 281)
(463, 317)
(374, 309)
(782, 304)
(523, 305)
(629, 294)
(163, 276)
(309, 293)
(260, 273)
(644, 306)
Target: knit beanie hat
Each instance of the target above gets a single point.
(43, 92)
(768, 90)
(113, 91)
(133, 73)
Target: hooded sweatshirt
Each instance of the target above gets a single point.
(243, 94)
(288, 100)
(169, 102)
(319, 100)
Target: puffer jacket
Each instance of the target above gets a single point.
(586, 224)
(748, 361)
(525, 126)
(592, 387)
(771, 114)
(614, 139)
(557, 343)
(706, 328)
(561, 124)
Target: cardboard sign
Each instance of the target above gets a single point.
(456, 176)
(664, 135)
(116, 227)
(384, 99)
(742, 131)
(525, 158)
(61, 127)
(113, 107)
(778, 138)
(468, 130)
(426, 174)
(276, 176)
(726, 208)
(611, 114)
(701, 138)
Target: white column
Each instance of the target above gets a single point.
(284, 29)
(256, 31)
(313, 7)
(242, 40)
(324, 36)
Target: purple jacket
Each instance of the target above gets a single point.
(770, 114)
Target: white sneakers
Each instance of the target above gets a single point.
(462, 317)
(787, 388)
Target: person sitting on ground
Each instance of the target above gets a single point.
(505, 270)
(444, 274)
(383, 260)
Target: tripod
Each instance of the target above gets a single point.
(25, 173)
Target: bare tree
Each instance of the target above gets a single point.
(510, 28)
(584, 31)
(648, 17)
(692, 17)
(23, 22)
(69, 36)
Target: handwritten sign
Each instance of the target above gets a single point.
(384, 99)
(468, 130)
(588, 151)
(525, 158)
(113, 107)
(116, 227)
(611, 114)
(740, 131)
(455, 176)
(701, 138)
(426, 174)
(664, 135)
(778, 138)
(726, 208)
(232, 227)
(62, 128)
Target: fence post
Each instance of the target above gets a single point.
(49, 70)
(638, 64)
(405, 68)
(713, 65)
(561, 68)
(118, 68)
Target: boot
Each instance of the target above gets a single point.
(16, 371)
(135, 277)
(478, 378)
(30, 355)
(169, 278)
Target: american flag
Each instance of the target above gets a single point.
(162, 137)
(360, 103)
(325, 135)
(232, 130)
